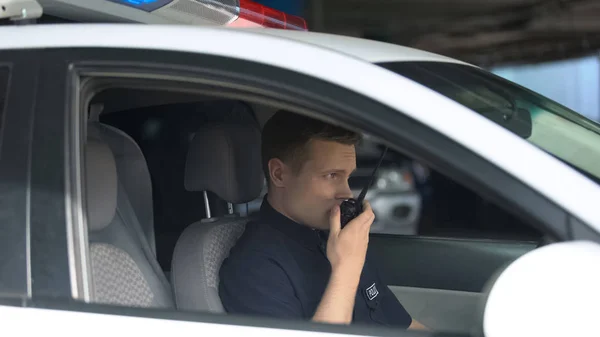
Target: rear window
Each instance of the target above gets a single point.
(563, 133)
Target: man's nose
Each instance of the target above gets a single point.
(345, 191)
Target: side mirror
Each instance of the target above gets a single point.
(551, 291)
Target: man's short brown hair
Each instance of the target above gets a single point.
(286, 134)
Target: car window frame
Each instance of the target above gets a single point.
(15, 130)
(559, 226)
(61, 105)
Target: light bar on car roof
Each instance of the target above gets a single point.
(233, 13)
(269, 17)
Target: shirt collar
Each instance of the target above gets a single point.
(310, 238)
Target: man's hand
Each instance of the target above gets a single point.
(347, 248)
(415, 325)
(346, 251)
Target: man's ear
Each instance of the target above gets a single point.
(277, 172)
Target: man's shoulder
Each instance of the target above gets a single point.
(258, 241)
(259, 256)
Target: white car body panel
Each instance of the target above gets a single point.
(369, 50)
(573, 192)
(72, 323)
(524, 300)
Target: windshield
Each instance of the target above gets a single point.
(552, 127)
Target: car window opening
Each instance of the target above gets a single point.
(151, 134)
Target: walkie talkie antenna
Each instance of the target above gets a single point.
(363, 193)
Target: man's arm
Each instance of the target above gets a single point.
(346, 251)
(337, 303)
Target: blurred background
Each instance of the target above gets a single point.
(551, 47)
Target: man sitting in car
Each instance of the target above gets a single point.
(295, 261)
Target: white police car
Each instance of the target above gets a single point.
(95, 125)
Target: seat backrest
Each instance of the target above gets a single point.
(223, 159)
(124, 268)
(133, 174)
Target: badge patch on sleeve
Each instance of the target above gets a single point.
(372, 292)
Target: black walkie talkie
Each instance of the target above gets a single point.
(351, 208)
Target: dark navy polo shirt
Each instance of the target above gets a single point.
(279, 268)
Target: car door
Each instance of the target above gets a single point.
(312, 88)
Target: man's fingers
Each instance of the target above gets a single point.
(335, 222)
(367, 207)
(367, 216)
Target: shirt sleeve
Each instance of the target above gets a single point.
(258, 285)
(395, 313)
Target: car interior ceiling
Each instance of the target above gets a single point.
(163, 123)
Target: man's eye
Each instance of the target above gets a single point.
(332, 175)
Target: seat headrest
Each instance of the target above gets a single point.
(101, 184)
(225, 159)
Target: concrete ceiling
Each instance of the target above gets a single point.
(484, 32)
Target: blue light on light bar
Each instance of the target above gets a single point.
(145, 5)
(139, 2)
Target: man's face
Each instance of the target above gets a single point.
(320, 183)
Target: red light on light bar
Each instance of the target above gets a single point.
(269, 17)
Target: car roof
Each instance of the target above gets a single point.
(368, 50)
